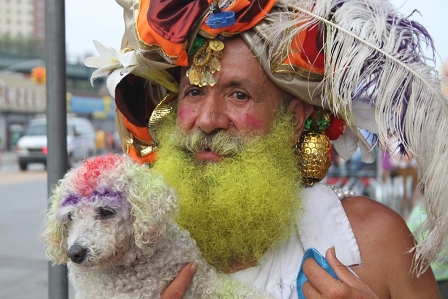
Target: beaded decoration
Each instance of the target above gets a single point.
(342, 193)
(207, 52)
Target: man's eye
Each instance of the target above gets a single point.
(241, 95)
(105, 213)
(193, 92)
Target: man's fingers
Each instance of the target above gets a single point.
(309, 291)
(342, 272)
(358, 288)
(318, 277)
(180, 284)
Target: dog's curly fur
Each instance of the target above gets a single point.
(111, 221)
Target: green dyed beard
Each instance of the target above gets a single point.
(240, 207)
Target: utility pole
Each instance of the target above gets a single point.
(56, 120)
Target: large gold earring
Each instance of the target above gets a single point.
(313, 148)
(160, 114)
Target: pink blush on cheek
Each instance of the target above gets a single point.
(251, 122)
(185, 115)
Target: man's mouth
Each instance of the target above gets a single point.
(207, 155)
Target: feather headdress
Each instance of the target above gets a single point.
(374, 59)
(367, 65)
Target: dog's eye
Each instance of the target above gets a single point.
(105, 213)
(69, 216)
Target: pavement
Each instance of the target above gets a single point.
(23, 270)
(10, 173)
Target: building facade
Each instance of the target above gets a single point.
(25, 18)
(22, 99)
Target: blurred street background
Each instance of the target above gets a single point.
(23, 96)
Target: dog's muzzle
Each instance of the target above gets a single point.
(77, 253)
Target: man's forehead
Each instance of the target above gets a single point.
(236, 55)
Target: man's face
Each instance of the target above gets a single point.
(243, 100)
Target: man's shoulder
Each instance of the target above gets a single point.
(366, 214)
(385, 243)
(375, 224)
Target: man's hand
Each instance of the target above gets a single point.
(180, 284)
(320, 284)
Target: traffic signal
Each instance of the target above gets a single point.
(38, 75)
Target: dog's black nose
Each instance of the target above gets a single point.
(76, 253)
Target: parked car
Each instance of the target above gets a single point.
(32, 146)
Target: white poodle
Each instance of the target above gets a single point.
(111, 221)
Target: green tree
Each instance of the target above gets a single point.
(26, 47)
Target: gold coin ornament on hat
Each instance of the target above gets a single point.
(205, 63)
(216, 45)
(207, 52)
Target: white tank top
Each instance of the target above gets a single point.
(323, 224)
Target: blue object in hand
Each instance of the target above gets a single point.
(314, 254)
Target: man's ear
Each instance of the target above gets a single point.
(301, 111)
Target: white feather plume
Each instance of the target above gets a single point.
(375, 55)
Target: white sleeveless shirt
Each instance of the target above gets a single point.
(322, 225)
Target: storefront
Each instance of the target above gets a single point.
(21, 99)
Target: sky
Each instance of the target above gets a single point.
(101, 20)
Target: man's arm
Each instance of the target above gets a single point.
(384, 242)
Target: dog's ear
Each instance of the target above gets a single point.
(152, 202)
(55, 234)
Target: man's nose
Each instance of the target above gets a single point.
(212, 115)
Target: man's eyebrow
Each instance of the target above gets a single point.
(243, 82)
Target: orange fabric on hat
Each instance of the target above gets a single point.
(143, 134)
(150, 37)
(177, 51)
(305, 53)
(140, 132)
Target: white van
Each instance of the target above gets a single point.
(32, 146)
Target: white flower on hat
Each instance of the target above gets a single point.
(117, 65)
(112, 63)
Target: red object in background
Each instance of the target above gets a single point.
(38, 75)
(336, 128)
(45, 150)
(38, 71)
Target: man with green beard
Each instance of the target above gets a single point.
(227, 90)
(229, 156)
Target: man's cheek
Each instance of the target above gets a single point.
(185, 116)
(251, 122)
